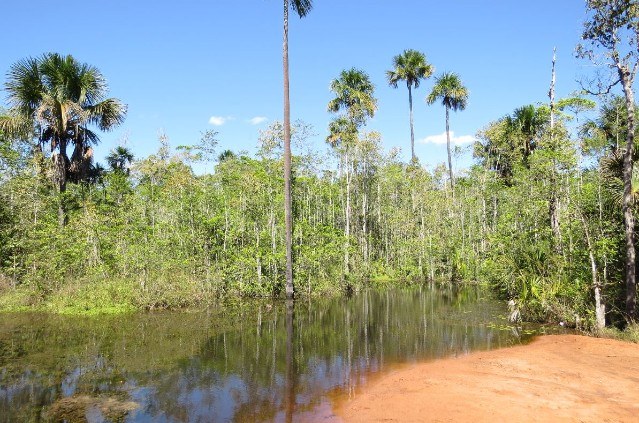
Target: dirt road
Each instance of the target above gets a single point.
(562, 378)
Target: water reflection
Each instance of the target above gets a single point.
(260, 362)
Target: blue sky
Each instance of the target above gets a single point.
(178, 64)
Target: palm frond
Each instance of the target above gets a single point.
(302, 7)
(393, 78)
(354, 92)
(410, 66)
(56, 97)
(450, 90)
(24, 86)
(16, 126)
(86, 137)
(611, 167)
(107, 114)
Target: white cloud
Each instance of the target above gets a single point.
(441, 139)
(219, 120)
(257, 120)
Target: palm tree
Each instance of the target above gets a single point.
(410, 66)
(302, 7)
(58, 98)
(453, 95)
(527, 122)
(353, 93)
(342, 136)
(119, 159)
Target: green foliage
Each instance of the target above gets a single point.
(150, 233)
(507, 143)
(607, 132)
(301, 7)
(410, 66)
(450, 90)
(354, 94)
(59, 98)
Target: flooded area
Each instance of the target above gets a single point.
(258, 361)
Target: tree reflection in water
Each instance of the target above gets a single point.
(253, 362)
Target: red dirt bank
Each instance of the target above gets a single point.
(564, 378)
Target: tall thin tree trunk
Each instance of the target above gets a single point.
(600, 307)
(412, 132)
(628, 217)
(288, 204)
(365, 225)
(553, 202)
(60, 161)
(347, 225)
(551, 92)
(450, 160)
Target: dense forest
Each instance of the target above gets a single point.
(544, 216)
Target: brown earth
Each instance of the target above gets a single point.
(561, 378)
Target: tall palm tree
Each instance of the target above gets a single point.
(410, 66)
(302, 7)
(59, 98)
(453, 95)
(342, 137)
(354, 94)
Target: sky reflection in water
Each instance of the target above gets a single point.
(256, 362)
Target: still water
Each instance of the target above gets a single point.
(267, 361)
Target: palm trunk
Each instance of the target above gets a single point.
(412, 132)
(60, 162)
(553, 203)
(553, 213)
(551, 92)
(600, 306)
(628, 217)
(450, 160)
(347, 224)
(287, 164)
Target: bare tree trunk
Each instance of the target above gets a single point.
(347, 225)
(553, 212)
(551, 92)
(553, 202)
(450, 160)
(365, 225)
(600, 307)
(288, 203)
(484, 220)
(412, 133)
(258, 258)
(421, 239)
(629, 222)
(60, 162)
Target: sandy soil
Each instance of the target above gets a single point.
(563, 378)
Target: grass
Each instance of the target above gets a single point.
(629, 334)
(105, 297)
(99, 296)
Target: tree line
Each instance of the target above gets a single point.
(545, 215)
